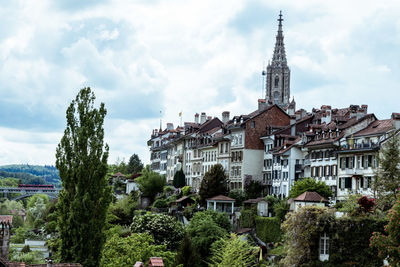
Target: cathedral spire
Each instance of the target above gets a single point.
(279, 57)
(278, 73)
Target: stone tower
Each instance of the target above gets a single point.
(278, 73)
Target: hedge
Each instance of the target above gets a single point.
(268, 229)
(247, 218)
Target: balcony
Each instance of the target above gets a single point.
(353, 171)
(298, 168)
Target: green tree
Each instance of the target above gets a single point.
(125, 251)
(238, 195)
(187, 256)
(135, 165)
(81, 158)
(179, 179)
(205, 228)
(123, 209)
(215, 182)
(253, 189)
(388, 244)
(150, 183)
(164, 229)
(309, 184)
(234, 252)
(281, 208)
(36, 210)
(388, 176)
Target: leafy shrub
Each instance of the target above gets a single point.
(163, 228)
(247, 218)
(186, 190)
(160, 203)
(268, 229)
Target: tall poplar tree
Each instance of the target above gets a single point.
(81, 159)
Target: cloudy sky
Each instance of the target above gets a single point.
(144, 56)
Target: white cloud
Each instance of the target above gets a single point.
(144, 56)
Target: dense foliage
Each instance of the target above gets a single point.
(135, 165)
(247, 218)
(205, 228)
(125, 251)
(187, 255)
(233, 252)
(388, 178)
(253, 189)
(388, 243)
(348, 238)
(238, 195)
(311, 185)
(179, 179)
(81, 159)
(164, 229)
(150, 183)
(215, 182)
(268, 229)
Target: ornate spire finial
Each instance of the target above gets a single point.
(280, 18)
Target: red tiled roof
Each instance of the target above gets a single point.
(221, 197)
(156, 261)
(6, 219)
(184, 198)
(377, 127)
(118, 174)
(310, 197)
(254, 200)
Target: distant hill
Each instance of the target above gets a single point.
(31, 174)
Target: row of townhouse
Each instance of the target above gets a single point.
(337, 146)
(234, 143)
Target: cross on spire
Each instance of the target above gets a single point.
(280, 18)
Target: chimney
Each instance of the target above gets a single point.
(203, 118)
(323, 118)
(225, 117)
(293, 125)
(328, 118)
(170, 126)
(155, 132)
(396, 120)
(262, 104)
(196, 118)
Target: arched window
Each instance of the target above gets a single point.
(276, 81)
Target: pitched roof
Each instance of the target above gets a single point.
(183, 198)
(310, 197)
(156, 261)
(6, 219)
(377, 127)
(118, 174)
(221, 197)
(254, 200)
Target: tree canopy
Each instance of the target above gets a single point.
(125, 251)
(233, 251)
(179, 179)
(81, 158)
(150, 183)
(388, 178)
(309, 184)
(205, 228)
(135, 165)
(164, 229)
(388, 244)
(215, 182)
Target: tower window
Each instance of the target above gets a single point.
(276, 81)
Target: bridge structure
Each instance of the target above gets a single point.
(27, 192)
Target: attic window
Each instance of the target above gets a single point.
(253, 124)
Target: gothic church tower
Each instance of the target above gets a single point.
(278, 73)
